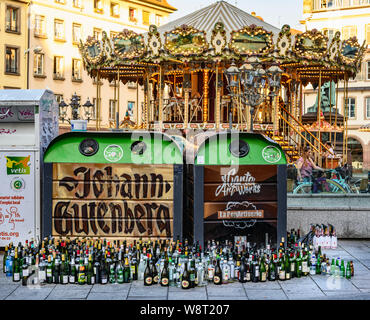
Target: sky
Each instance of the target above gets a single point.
(275, 12)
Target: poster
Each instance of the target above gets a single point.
(17, 197)
(112, 200)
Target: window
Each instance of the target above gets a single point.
(38, 64)
(76, 69)
(12, 60)
(329, 33)
(113, 34)
(59, 98)
(367, 106)
(349, 32)
(58, 29)
(98, 6)
(130, 108)
(368, 70)
(112, 109)
(77, 3)
(76, 33)
(351, 108)
(40, 26)
(146, 17)
(367, 34)
(114, 9)
(158, 20)
(12, 23)
(132, 15)
(59, 68)
(97, 33)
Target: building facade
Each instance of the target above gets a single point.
(351, 18)
(56, 27)
(13, 44)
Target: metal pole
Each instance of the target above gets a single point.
(319, 121)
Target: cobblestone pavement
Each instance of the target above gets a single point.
(318, 287)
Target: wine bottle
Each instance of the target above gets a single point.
(72, 271)
(126, 271)
(25, 271)
(90, 277)
(272, 269)
(217, 278)
(148, 276)
(263, 276)
(192, 275)
(49, 271)
(81, 276)
(165, 275)
(185, 278)
(64, 271)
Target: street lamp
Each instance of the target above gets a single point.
(253, 80)
(233, 79)
(75, 108)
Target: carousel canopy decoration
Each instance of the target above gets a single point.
(221, 33)
(252, 40)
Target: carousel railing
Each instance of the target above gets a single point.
(291, 125)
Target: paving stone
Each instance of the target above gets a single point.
(192, 295)
(225, 290)
(107, 296)
(361, 284)
(25, 293)
(333, 283)
(148, 291)
(107, 288)
(269, 285)
(6, 290)
(69, 294)
(77, 287)
(266, 295)
(192, 290)
(319, 295)
(228, 297)
(148, 298)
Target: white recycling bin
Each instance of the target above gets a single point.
(28, 122)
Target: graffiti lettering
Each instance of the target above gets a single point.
(104, 184)
(240, 184)
(114, 219)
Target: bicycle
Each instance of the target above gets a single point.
(336, 185)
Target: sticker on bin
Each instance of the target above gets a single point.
(246, 214)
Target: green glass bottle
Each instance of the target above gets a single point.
(119, 272)
(64, 271)
(318, 264)
(49, 271)
(342, 269)
(263, 275)
(298, 266)
(348, 271)
(272, 269)
(288, 274)
(16, 268)
(126, 272)
(81, 276)
(282, 271)
(90, 277)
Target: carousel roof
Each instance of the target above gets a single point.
(205, 19)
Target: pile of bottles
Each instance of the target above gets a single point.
(167, 263)
(319, 235)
